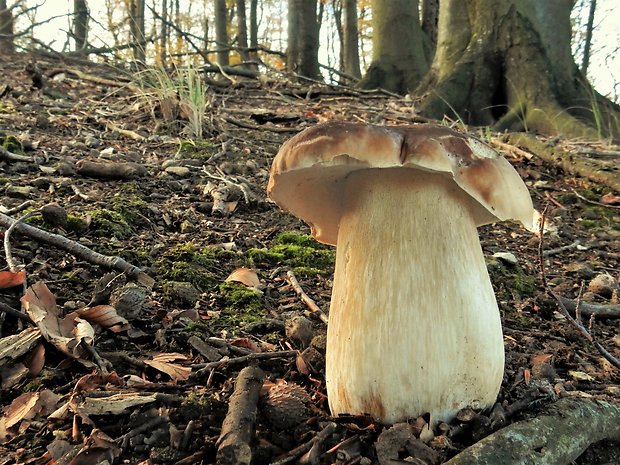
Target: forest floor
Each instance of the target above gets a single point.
(132, 371)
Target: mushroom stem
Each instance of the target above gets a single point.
(414, 326)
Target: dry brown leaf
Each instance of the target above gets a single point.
(106, 316)
(162, 362)
(245, 343)
(66, 333)
(610, 199)
(94, 381)
(245, 276)
(26, 407)
(35, 361)
(10, 279)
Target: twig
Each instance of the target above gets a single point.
(574, 245)
(205, 368)
(14, 312)
(511, 148)
(79, 250)
(576, 322)
(21, 207)
(14, 267)
(594, 202)
(589, 309)
(10, 156)
(302, 449)
(233, 445)
(292, 280)
(123, 441)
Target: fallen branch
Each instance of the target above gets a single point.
(292, 280)
(10, 156)
(556, 438)
(111, 169)
(78, 250)
(594, 202)
(205, 368)
(233, 445)
(589, 309)
(304, 448)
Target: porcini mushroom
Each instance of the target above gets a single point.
(414, 326)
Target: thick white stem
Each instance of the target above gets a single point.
(414, 326)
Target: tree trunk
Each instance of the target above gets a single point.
(80, 23)
(588, 42)
(136, 24)
(508, 63)
(430, 18)
(163, 40)
(6, 29)
(350, 43)
(399, 60)
(303, 39)
(221, 34)
(242, 32)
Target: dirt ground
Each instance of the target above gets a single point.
(156, 383)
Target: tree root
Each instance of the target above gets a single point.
(233, 445)
(556, 438)
(569, 162)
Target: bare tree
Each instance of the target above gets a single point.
(350, 44)
(136, 25)
(80, 23)
(588, 42)
(242, 32)
(399, 60)
(164, 33)
(221, 34)
(6, 28)
(303, 38)
(430, 17)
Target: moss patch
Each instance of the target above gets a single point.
(109, 223)
(510, 281)
(300, 252)
(12, 144)
(196, 149)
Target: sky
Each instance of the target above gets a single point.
(604, 70)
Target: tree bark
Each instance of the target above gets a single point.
(399, 60)
(221, 34)
(303, 39)
(508, 63)
(430, 19)
(242, 32)
(80, 24)
(350, 44)
(136, 25)
(6, 29)
(556, 438)
(163, 40)
(588, 42)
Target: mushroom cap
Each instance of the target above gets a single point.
(308, 174)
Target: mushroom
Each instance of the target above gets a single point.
(414, 326)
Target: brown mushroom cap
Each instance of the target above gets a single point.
(308, 173)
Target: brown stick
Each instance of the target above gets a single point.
(233, 445)
(111, 170)
(556, 438)
(588, 309)
(206, 368)
(79, 250)
(292, 280)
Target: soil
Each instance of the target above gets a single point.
(166, 361)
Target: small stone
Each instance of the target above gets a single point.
(181, 293)
(299, 330)
(129, 300)
(54, 215)
(506, 257)
(20, 191)
(582, 270)
(180, 171)
(92, 142)
(604, 285)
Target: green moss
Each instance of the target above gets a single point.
(193, 273)
(76, 224)
(590, 224)
(239, 305)
(129, 206)
(510, 280)
(196, 149)
(4, 181)
(109, 223)
(12, 144)
(300, 252)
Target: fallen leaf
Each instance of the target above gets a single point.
(162, 362)
(10, 279)
(106, 316)
(610, 199)
(66, 333)
(245, 276)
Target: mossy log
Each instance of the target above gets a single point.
(571, 163)
(558, 437)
